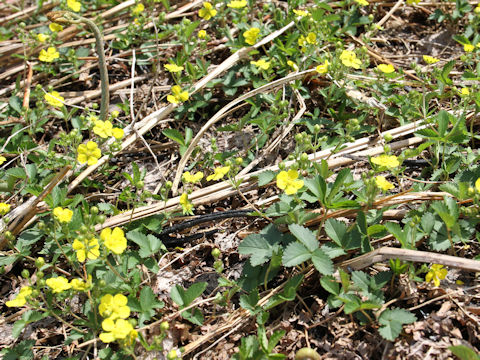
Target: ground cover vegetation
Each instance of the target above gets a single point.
(239, 179)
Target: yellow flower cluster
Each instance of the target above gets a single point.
(207, 12)
(4, 208)
(187, 206)
(323, 68)
(261, 64)
(49, 55)
(105, 129)
(177, 96)
(383, 183)
(311, 39)
(237, 4)
(192, 178)
(86, 249)
(349, 59)
(301, 13)
(58, 284)
(251, 35)
(88, 153)
(54, 99)
(430, 59)
(63, 215)
(74, 5)
(386, 68)
(389, 161)
(173, 68)
(115, 310)
(287, 180)
(21, 298)
(138, 9)
(219, 173)
(437, 272)
(114, 240)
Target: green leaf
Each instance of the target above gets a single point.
(174, 135)
(274, 339)
(15, 103)
(342, 176)
(305, 236)
(148, 244)
(396, 230)
(27, 318)
(318, 187)
(464, 353)
(146, 305)
(443, 121)
(295, 254)
(249, 302)
(322, 262)
(184, 297)
(330, 284)
(21, 351)
(336, 230)
(258, 247)
(392, 321)
(265, 177)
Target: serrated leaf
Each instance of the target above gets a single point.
(249, 302)
(148, 244)
(184, 297)
(322, 262)
(265, 177)
(336, 230)
(305, 236)
(464, 353)
(295, 254)
(174, 135)
(392, 321)
(330, 284)
(258, 247)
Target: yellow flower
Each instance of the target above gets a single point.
(219, 173)
(74, 5)
(42, 37)
(21, 298)
(192, 178)
(251, 35)
(49, 55)
(477, 185)
(430, 59)
(177, 95)
(114, 307)
(4, 208)
(301, 40)
(173, 68)
(2, 159)
(410, 2)
(389, 161)
(63, 215)
(187, 206)
(349, 58)
(362, 2)
(58, 284)
(138, 9)
(88, 153)
(103, 128)
(202, 34)
(53, 98)
(323, 68)
(383, 183)
(477, 9)
(116, 330)
(292, 65)
(84, 249)
(437, 272)
(80, 285)
(468, 47)
(300, 12)
(237, 4)
(465, 91)
(118, 133)
(54, 27)
(207, 12)
(288, 181)
(262, 64)
(386, 68)
(114, 240)
(311, 38)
